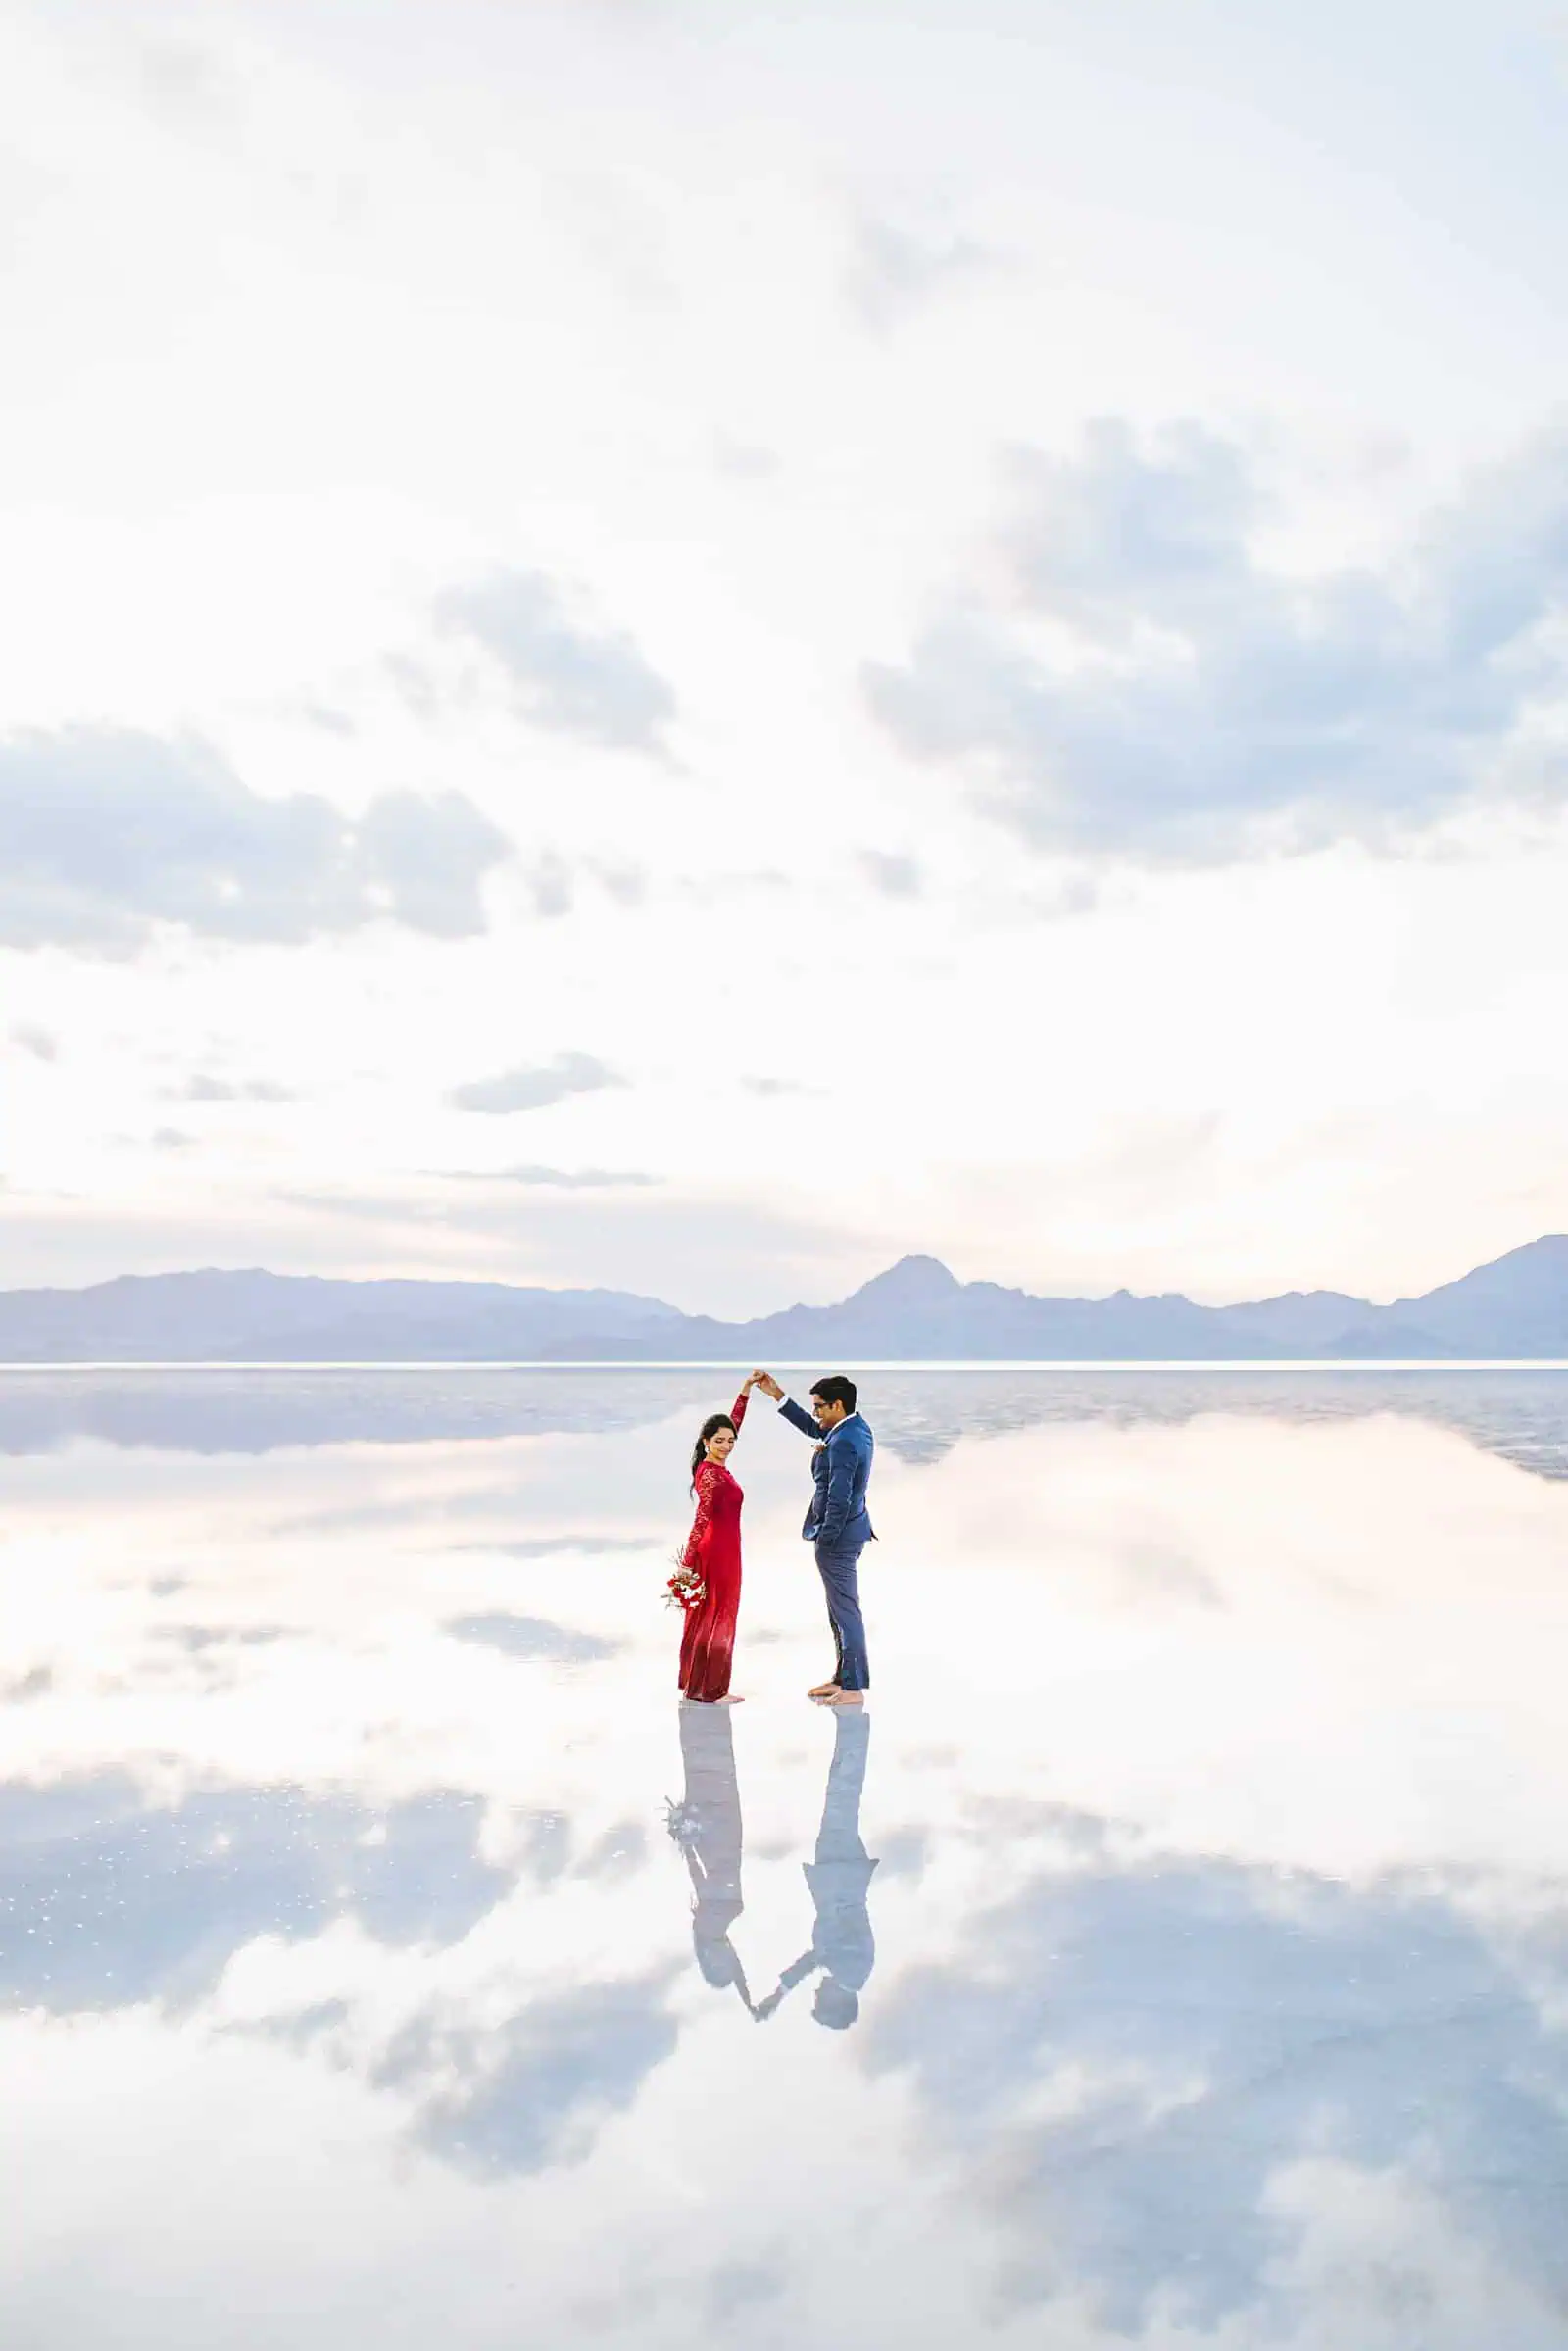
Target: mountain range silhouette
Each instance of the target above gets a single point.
(1515, 1307)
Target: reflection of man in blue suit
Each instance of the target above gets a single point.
(837, 1524)
(840, 1880)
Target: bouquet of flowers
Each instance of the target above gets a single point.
(685, 1589)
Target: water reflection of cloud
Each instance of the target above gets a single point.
(532, 1637)
(617, 1853)
(264, 1412)
(204, 1658)
(535, 2088)
(301, 2027)
(739, 2286)
(197, 1639)
(700, 2302)
(1131, 2055)
(16, 1690)
(106, 1900)
(1163, 2088)
(920, 1415)
(1173, 1573)
(1522, 1416)
(551, 1546)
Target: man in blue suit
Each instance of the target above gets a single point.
(837, 1523)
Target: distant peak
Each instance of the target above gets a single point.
(913, 1279)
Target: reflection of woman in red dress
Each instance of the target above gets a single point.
(713, 1549)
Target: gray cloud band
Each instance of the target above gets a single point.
(1151, 688)
(105, 834)
(535, 1089)
(582, 681)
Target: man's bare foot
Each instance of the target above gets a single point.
(820, 1689)
(845, 1697)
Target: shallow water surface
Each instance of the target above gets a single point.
(1176, 1951)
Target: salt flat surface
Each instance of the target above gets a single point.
(387, 1959)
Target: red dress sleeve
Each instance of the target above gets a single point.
(737, 1410)
(707, 1479)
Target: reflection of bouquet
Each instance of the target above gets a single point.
(683, 1820)
(685, 1587)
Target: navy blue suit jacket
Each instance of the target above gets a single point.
(841, 1471)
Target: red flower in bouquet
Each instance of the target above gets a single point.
(685, 1589)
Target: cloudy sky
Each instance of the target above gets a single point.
(689, 644)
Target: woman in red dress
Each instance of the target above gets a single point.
(713, 1549)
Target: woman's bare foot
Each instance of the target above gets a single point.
(821, 1689)
(731, 1697)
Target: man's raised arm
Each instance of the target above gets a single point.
(788, 1410)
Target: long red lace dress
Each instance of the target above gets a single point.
(707, 1643)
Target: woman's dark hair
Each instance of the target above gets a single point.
(710, 1427)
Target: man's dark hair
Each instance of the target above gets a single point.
(836, 1390)
(836, 2006)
